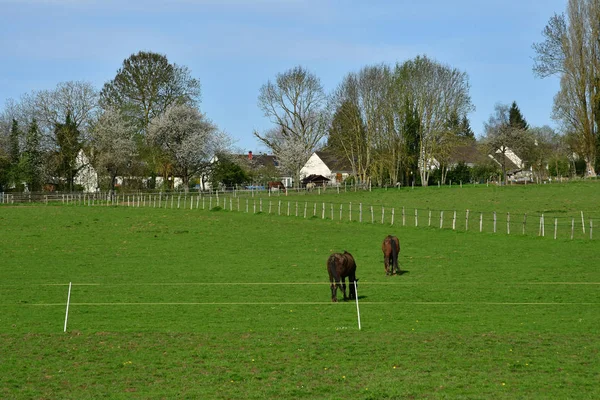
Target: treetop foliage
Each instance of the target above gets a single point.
(146, 85)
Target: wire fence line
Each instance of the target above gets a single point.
(213, 303)
(283, 303)
(362, 282)
(563, 227)
(320, 284)
(250, 191)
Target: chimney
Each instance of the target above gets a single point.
(249, 155)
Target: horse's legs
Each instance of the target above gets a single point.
(334, 292)
(389, 265)
(352, 289)
(344, 288)
(396, 264)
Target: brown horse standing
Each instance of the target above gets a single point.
(391, 249)
(340, 266)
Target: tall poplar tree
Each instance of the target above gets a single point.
(347, 134)
(14, 154)
(571, 50)
(32, 158)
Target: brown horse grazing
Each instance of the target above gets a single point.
(275, 185)
(340, 266)
(391, 249)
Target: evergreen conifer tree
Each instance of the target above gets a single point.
(515, 118)
(32, 158)
(68, 139)
(15, 133)
(465, 128)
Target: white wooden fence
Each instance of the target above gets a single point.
(489, 222)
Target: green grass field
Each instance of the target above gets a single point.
(180, 303)
(552, 199)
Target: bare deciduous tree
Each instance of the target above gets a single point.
(50, 107)
(78, 99)
(571, 49)
(545, 146)
(435, 91)
(347, 133)
(294, 103)
(363, 127)
(377, 108)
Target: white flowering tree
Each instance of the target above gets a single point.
(113, 144)
(187, 140)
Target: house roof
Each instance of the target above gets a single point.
(265, 160)
(468, 154)
(258, 160)
(510, 165)
(334, 163)
(315, 178)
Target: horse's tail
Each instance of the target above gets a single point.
(395, 253)
(333, 272)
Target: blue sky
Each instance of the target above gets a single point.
(235, 46)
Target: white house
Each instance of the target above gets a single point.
(515, 167)
(516, 160)
(327, 165)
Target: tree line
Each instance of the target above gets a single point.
(143, 124)
(393, 124)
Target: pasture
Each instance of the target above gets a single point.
(192, 303)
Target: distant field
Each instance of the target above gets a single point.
(557, 199)
(519, 205)
(180, 303)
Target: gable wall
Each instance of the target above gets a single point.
(315, 166)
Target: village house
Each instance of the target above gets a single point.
(325, 164)
(516, 172)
